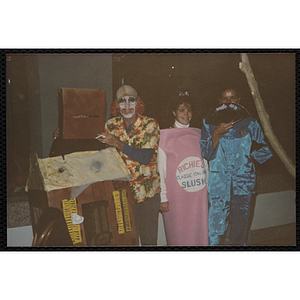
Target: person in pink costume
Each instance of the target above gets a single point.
(183, 174)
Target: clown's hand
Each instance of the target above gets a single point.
(110, 140)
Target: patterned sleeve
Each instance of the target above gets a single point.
(106, 128)
(151, 137)
(142, 149)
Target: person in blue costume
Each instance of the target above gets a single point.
(230, 149)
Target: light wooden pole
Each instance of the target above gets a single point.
(263, 115)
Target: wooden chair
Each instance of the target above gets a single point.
(51, 230)
(42, 239)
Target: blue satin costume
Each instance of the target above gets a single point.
(232, 179)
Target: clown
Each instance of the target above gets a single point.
(136, 137)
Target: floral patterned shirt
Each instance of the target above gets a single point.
(144, 133)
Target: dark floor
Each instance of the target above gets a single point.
(18, 215)
(284, 235)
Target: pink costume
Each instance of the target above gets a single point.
(184, 185)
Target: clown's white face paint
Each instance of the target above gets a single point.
(127, 106)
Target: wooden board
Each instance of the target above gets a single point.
(89, 205)
(82, 113)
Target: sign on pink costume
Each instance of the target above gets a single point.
(186, 224)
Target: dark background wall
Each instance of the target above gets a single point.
(204, 74)
(32, 111)
(157, 76)
(32, 98)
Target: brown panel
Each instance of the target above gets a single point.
(55, 197)
(82, 113)
(96, 192)
(128, 238)
(86, 196)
